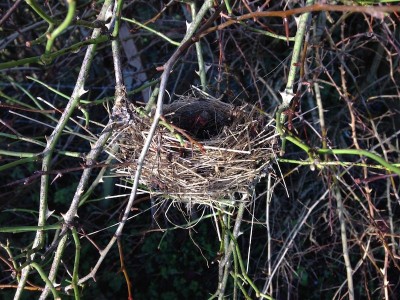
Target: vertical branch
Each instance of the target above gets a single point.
(199, 52)
(318, 27)
(75, 274)
(51, 36)
(321, 117)
(223, 268)
(120, 92)
(54, 267)
(288, 93)
(45, 279)
(268, 226)
(392, 227)
(301, 29)
(349, 269)
(226, 260)
(384, 270)
(124, 270)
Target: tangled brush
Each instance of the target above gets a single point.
(203, 149)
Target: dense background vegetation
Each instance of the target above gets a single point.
(323, 225)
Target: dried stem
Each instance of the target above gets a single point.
(343, 234)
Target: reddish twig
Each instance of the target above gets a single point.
(123, 269)
(375, 11)
(184, 133)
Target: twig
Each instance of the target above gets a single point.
(376, 11)
(163, 36)
(200, 59)
(45, 279)
(75, 273)
(51, 36)
(288, 93)
(290, 137)
(51, 56)
(343, 234)
(285, 248)
(268, 200)
(226, 260)
(40, 12)
(173, 127)
(124, 270)
(10, 11)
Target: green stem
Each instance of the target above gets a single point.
(19, 62)
(244, 275)
(18, 162)
(267, 33)
(239, 284)
(311, 152)
(362, 152)
(228, 7)
(301, 29)
(46, 58)
(199, 53)
(45, 279)
(118, 19)
(20, 229)
(152, 99)
(94, 41)
(288, 93)
(75, 276)
(332, 163)
(133, 21)
(10, 256)
(67, 21)
(40, 12)
(18, 154)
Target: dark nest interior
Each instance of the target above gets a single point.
(203, 149)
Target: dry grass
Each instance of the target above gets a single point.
(179, 166)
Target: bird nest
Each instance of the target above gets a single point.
(202, 150)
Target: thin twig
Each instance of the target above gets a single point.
(343, 234)
(10, 11)
(289, 241)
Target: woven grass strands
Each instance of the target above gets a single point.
(205, 150)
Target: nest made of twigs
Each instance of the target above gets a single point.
(203, 150)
